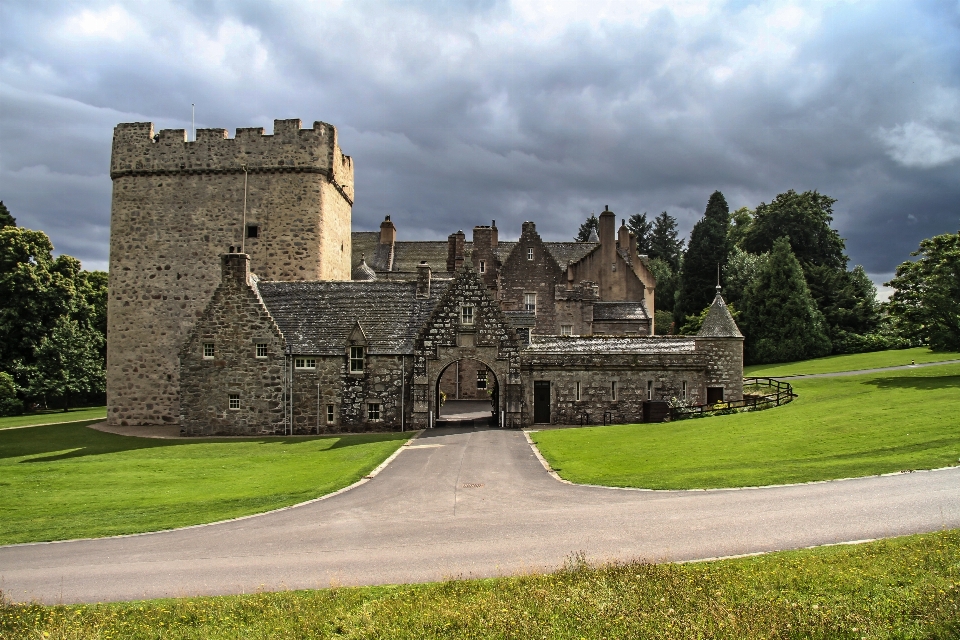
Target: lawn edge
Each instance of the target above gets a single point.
(361, 481)
(556, 476)
(50, 424)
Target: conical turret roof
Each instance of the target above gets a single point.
(363, 272)
(719, 323)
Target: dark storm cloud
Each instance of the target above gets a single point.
(458, 113)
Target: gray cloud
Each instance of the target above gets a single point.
(461, 113)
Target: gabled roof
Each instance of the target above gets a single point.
(620, 311)
(317, 317)
(618, 345)
(719, 323)
(566, 253)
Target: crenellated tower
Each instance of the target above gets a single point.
(285, 198)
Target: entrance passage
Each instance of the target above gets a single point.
(541, 401)
(467, 395)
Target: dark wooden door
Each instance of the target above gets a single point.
(541, 401)
(714, 395)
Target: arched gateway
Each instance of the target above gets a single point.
(467, 324)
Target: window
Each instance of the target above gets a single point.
(530, 302)
(482, 379)
(650, 389)
(683, 390)
(305, 363)
(566, 329)
(373, 411)
(261, 349)
(330, 414)
(523, 335)
(253, 231)
(466, 315)
(356, 359)
(613, 390)
(578, 392)
(483, 266)
(208, 351)
(530, 254)
(234, 401)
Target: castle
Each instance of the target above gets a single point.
(241, 303)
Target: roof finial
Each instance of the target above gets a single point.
(718, 278)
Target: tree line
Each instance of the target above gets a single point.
(786, 279)
(53, 323)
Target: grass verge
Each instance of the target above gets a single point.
(68, 481)
(899, 588)
(52, 417)
(838, 428)
(851, 362)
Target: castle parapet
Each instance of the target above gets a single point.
(138, 151)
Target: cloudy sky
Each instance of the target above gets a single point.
(457, 113)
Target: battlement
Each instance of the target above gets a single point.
(138, 151)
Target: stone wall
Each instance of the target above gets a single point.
(724, 366)
(459, 381)
(234, 323)
(541, 275)
(177, 206)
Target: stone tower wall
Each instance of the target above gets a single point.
(177, 206)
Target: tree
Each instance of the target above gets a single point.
(591, 224)
(848, 301)
(6, 219)
(804, 218)
(10, 405)
(664, 296)
(926, 303)
(68, 362)
(780, 319)
(665, 242)
(741, 270)
(708, 249)
(637, 223)
(693, 324)
(742, 220)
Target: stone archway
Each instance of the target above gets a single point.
(467, 393)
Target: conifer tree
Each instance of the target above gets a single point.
(642, 229)
(665, 242)
(591, 224)
(780, 318)
(6, 219)
(709, 247)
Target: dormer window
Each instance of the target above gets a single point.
(356, 359)
(466, 315)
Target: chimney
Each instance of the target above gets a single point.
(633, 246)
(607, 230)
(235, 268)
(528, 226)
(495, 235)
(484, 254)
(608, 254)
(388, 232)
(455, 250)
(423, 280)
(623, 235)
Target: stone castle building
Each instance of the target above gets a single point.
(241, 303)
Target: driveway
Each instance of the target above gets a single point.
(472, 503)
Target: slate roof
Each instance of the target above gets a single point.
(620, 311)
(567, 253)
(613, 345)
(317, 317)
(363, 272)
(719, 323)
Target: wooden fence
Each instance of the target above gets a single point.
(773, 393)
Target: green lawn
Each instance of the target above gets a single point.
(68, 481)
(899, 588)
(852, 362)
(51, 417)
(838, 427)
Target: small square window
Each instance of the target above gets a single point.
(356, 359)
(253, 231)
(530, 254)
(373, 411)
(566, 329)
(481, 379)
(261, 349)
(613, 390)
(305, 363)
(483, 266)
(466, 315)
(208, 351)
(330, 414)
(530, 302)
(234, 401)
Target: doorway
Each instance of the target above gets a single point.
(541, 401)
(467, 394)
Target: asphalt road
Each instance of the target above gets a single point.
(472, 503)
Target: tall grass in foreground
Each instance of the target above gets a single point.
(899, 588)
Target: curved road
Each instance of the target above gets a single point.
(472, 503)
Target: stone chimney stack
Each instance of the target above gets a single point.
(388, 232)
(423, 280)
(455, 249)
(495, 235)
(484, 253)
(235, 268)
(608, 254)
(623, 236)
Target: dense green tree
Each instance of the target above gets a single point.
(10, 404)
(804, 218)
(665, 242)
(6, 219)
(741, 221)
(663, 323)
(707, 251)
(926, 303)
(780, 318)
(693, 323)
(591, 224)
(641, 228)
(68, 363)
(664, 296)
(741, 269)
(848, 301)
